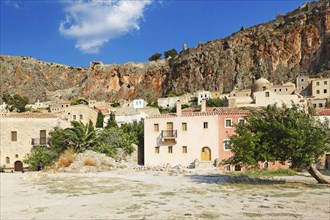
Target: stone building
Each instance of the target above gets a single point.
(263, 93)
(20, 132)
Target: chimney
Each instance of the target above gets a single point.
(178, 108)
(203, 106)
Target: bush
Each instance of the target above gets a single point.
(155, 57)
(40, 157)
(66, 158)
(89, 162)
(170, 53)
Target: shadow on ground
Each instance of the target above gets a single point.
(223, 179)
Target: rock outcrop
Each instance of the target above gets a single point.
(292, 44)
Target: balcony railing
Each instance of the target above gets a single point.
(40, 141)
(169, 134)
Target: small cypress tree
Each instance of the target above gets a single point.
(99, 120)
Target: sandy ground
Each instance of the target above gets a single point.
(154, 195)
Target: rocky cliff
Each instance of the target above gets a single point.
(292, 44)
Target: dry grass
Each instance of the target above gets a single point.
(89, 162)
(65, 160)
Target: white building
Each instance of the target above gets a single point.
(126, 115)
(203, 95)
(139, 103)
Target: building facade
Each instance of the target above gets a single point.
(20, 132)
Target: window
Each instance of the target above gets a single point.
(241, 121)
(314, 105)
(325, 82)
(302, 80)
(74, 117)
(156, 150)
(206, 125)
(228, 168)
(263, 88)
(16, 155)
(280, 90)
(320, 105)
(170, 149)
(266, 165)
(81, 117)
(184, 126)
(42, 136)
(317, 91)
(156, 127)
(325, 91)
(184, 149)
(14, 136)
(267, 94)
(226, 144)
(228, 123)
(238, 167)
(286, 89)
(302, 87)
(274, 90)
(317, 83)
(7, 160)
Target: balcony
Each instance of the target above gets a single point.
(169, 134)
(40, 142)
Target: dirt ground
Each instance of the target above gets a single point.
(129, 194)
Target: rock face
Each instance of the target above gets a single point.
(295, 43)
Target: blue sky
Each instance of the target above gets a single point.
(78, 32)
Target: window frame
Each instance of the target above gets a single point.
(241, 119)
(13, 135)
(225, 141)
(170, 149)
(184, 126)
(184, 149)
(231, 122)
(205, 125)
(157, 150)
(156, 127)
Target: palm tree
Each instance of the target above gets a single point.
(80, 136)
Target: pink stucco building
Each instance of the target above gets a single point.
(193, 137)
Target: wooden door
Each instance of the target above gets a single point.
(206, 154)
(169, 129)
(18, 166)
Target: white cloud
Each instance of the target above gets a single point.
(95, 22)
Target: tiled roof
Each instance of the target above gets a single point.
(324, 112)
(28, 115)
(208, 112)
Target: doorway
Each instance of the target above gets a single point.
(206, 154)
(18, 166)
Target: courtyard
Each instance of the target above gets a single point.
(127, 194)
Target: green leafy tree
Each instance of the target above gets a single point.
(40, 157)
(99, 120)
(215, 102)
(15, 102)
(137, 130)
(155, 57)
(110, 139)
(170, 53)
(112, 121)
(281, 134)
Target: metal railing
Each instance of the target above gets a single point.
(169, 134)
(40, 141)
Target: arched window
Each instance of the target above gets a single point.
(228, 168)
(266, 165)
(7, 160)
